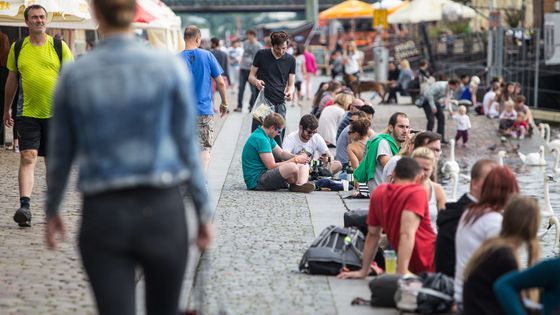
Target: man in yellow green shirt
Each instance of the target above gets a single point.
(38, 65)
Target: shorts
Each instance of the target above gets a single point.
(298, 86)
(271, 180)
(205, 125)
(32, 133)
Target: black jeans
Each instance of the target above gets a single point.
(280, 109)
(440, 118)
(243, 79)
(124, 229)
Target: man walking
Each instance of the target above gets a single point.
(204, 67)
(274, 70)
(250, 48)
(37, 59)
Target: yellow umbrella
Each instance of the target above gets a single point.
(349, 9)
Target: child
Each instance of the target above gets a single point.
(520, 127)
(507, 118)
(463, 124)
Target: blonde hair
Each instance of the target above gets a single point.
(344, 100)
(405, 64)
(520, 225)
(463, 108)
(428, 154)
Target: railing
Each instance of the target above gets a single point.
(243, 5)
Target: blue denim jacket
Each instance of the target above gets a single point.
(125, 114)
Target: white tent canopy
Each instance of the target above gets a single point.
(430, 10)
(67, 14)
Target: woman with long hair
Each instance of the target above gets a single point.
(138, 102)
(500, 255)
(482, 220)
(436, 196)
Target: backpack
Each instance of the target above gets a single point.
(429, 293)
(333, 251)
(57, 45)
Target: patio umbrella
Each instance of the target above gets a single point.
(428, 11)
(349, 9)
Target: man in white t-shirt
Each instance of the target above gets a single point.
(308, 140)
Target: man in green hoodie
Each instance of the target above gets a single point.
(380, 149)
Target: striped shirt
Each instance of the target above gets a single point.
(39, 67)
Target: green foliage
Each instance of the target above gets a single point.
(513, 17)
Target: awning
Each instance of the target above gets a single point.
(68, 14)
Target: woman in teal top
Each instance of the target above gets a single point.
(544, 275)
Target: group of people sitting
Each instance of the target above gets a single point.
(505, 102)
(475, 240)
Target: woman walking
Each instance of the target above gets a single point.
(124, 114)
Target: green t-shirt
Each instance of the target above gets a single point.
(39, 67)
(253, 166)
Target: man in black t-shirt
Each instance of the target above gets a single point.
(274, 70)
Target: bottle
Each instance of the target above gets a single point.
(350, 173)
(390, 261)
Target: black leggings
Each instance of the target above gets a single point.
(124, 229)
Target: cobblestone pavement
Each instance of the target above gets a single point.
(260, 238)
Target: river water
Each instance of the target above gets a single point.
(531, 182)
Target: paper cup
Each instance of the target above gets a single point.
(345, 184)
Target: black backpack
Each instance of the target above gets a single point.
(57, 45)
(335, 249)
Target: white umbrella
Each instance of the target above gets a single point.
(387, 4)
(430, 10)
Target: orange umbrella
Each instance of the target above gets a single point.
(349, 9)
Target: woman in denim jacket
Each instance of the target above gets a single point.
(124, 115)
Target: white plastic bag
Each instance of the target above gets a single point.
(262, 108)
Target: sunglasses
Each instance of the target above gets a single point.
(279, 130)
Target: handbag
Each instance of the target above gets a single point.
(262, 108)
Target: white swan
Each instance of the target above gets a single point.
(451, 166)
(545, 131)
(547, 213)
(534, 159)
(556, 152)
(455, 180)
(501, 155)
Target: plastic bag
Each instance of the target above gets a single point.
(262, 108)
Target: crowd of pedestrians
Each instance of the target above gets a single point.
(154, 113)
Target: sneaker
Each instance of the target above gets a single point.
(16, 149)
(238, 110)
(23, 217)
(305, 188)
